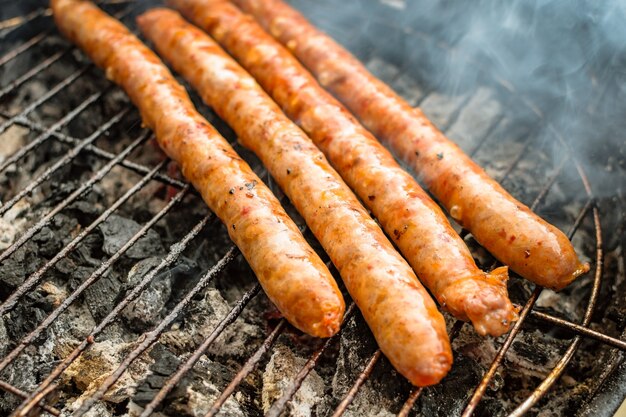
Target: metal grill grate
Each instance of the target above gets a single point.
(27, 35)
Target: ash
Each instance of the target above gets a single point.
(506, 131)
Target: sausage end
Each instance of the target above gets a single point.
(581, 269)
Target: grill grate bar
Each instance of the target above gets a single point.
(279, 405)
(40, 67)
(79, 191)
(410, 401)
(33, 71)
(486, 136)
(151, 337)
(247, 368)
(171, 382)
(417, 391)
(10, 25)
(19, 393)
(351, 394)
(36, 276)
(542, 194)
(175, 251)
(53, 91)
(47, 133)
(67, 158)
(17, 51)
(580, 330)
(482, 387)
(101, 153)
(523, 152)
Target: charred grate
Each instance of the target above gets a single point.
(88, 199)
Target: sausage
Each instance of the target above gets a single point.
(410, 217)
(508, 229)
(291, 273)
(404, 319)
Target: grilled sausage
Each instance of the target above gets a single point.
(404, 319)
(515, 235)
(291, 273)
(408, 215)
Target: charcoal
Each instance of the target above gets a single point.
(479, 115)
(84, 211)
(118, 230)
(441, 108)
(48, 242)
(70, 329)
(4, 338)
(23, 376)
(183, 275)
(21, 264)
(284, 364)
(408, 88)
(208, 312)
(10, 230)
(101, 296)
(103, 357)
(25, 316)
(464, 373)
(146, 310)
(193, 395)
(352, 348)
(88, 252)
(59, 191)
(376, 397)
(99, 409)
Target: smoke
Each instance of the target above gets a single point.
(566, 59)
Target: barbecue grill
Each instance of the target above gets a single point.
(120, 294)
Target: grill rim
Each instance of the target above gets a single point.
(36, 399)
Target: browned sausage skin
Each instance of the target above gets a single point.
(291, 273)
(516, 236)
(415, 222)
(404, 319)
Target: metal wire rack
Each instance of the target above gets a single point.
(40, 398)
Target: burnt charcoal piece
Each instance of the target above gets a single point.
(146, 310)
(101, 296)
(355, 344)
(48, 242)
(25, 316)
(118, 230)
(84, 211)
(456, 388)
(165, 363)
(23, 376)
(194, 394)
(4, 339)
(15, 269)
(281, 369)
